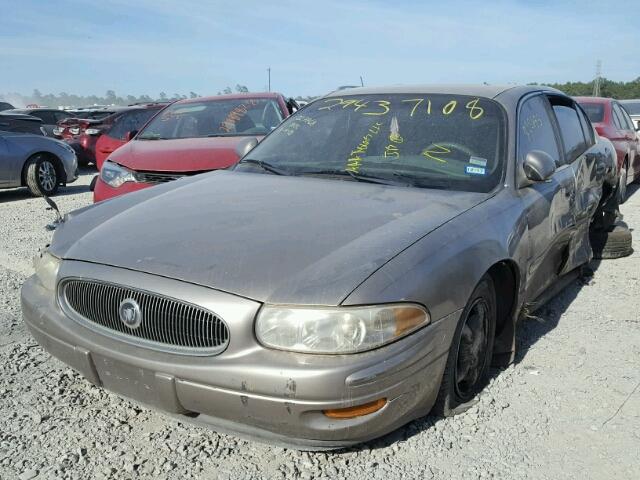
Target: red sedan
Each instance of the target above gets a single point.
(612, 121)
(189, 137)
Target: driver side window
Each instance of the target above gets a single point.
(535, 131)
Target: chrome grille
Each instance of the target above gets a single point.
(153, 177)
(167, 324)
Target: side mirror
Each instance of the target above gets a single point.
(129, 135)
(245, 146)
(538, 166)
(638, 127)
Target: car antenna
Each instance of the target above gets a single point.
(52, 206)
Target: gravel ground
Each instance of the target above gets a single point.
(568, 408)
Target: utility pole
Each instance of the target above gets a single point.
(269, 74)
(361, 82)
(598, 80)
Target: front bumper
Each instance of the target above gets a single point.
(102, 191)
(84, 148)
(70, 168)
(248, 389)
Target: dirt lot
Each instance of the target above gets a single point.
(568, 408)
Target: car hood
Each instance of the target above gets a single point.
(274, 239)
(178, 155)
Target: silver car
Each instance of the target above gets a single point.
(633, 109)
(39, 163)
(359, 268)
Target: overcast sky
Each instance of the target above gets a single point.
(148, 46)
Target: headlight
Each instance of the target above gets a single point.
(115, 175)
(337, 330)
(74, 130)
(92, 131)
(47, 270)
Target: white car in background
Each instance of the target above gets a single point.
(633, 109)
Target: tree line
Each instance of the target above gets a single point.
(608, 88)
(64, 99)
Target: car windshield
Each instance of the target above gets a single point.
(632, 108)
(434, 141)
(213, 118)
(595, 111)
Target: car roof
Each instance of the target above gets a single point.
(41, 109)
(232, 96)
(20, 116)
(475, 90)
(630, 100)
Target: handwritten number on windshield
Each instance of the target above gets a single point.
(418, 102)
(381, 103)
(475, 112)
(449, 107)
(356, 103)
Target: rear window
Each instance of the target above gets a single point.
(595, 111)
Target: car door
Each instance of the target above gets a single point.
(578, 141)
(6, 168)
(549, 205)
(12, 158)
(632, 139)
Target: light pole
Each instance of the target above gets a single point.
(269, 74)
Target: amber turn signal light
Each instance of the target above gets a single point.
(357, 411)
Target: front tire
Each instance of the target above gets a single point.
(616, 242)
(470, 353)
(42, 176)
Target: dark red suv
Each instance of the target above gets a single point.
(190, 137)
(612, 121)
(84, 135)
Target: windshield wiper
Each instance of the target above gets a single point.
(265, 166)
(359, 177)
(152, 138)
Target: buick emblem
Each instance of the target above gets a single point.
(129, 312)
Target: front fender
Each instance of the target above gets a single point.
(441, 270)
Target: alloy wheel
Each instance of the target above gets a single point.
(47, 176)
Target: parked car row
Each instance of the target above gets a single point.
(195, 136)
(612, 121)
(360, 266)
(95, 138)
(186, 138)
(49, 116)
